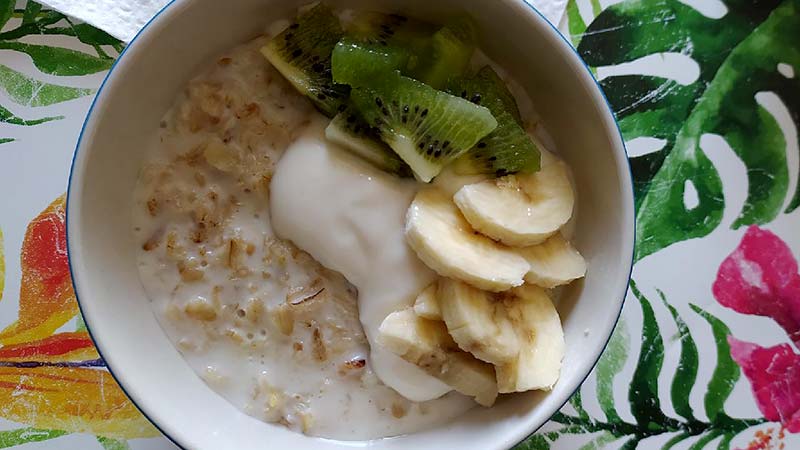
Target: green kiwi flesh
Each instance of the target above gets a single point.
(349, 130)
(357, 63)
(450, 51)
(425, 127)
(507, 149)
(391, 30)
(302, 54)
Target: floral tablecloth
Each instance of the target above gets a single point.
(707, 354)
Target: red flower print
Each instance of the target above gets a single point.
(774, 373)
(760, 277)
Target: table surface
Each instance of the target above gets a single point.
(707, 352)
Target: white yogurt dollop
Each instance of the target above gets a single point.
(349, 216)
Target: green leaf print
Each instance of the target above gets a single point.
(112, 444)
(13, 438)
(686, 373)
(60, 61)
(7, 116)
(29, 92)
(6, 11)
(575, 23)
(727, 372)
(610, 364)
(535, 442)
(599, 442)
(25, 88)
(737, 56)
(32, 10)
(643, 393)
(93, 36)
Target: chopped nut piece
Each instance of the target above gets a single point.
(298, 295)
(248, 110)
(298, 347)
(254, 309)
(282, 316)
(201, 309)
(213, 377)
(234, 336)
(398, 411)
(150, 245)
(352, 366)
(152, 206)
(174, 249)
(189, 271)
(220, 155)
(356, 363)
(235, 257)
(306, 421)
(318, 349)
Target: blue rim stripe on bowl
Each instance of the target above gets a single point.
(66, 220)
(630, 176)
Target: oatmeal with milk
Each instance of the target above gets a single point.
(375, 272)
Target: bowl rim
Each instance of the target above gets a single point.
(512, 439)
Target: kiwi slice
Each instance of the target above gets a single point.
(394, 31)
(434, 56)
(349, 130)
(391, 30)
(496, 90)
(357, 63)
(507, 149)
(450, 51)
(302, 54)
(426, 127)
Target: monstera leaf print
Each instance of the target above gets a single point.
(738, 57)
(23, 91)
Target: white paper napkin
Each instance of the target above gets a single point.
(124, 18)
(119, 18)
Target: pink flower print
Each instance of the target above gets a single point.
(760, 277)
(774, 373)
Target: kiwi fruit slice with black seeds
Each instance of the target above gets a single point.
(449, 54)
(357, 63)
(395, 30)
(390, 30)
(507, 149)
(427, 128)
(349, 130)
(497, 90)
(302, 54)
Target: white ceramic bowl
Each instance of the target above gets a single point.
(124, 119)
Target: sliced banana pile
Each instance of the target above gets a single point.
(488, 326)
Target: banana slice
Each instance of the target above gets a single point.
(446, 243)
(520, 210)
(553, 262)
(427, 305)
(426, 343)
(477, 322)
(542, 346)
